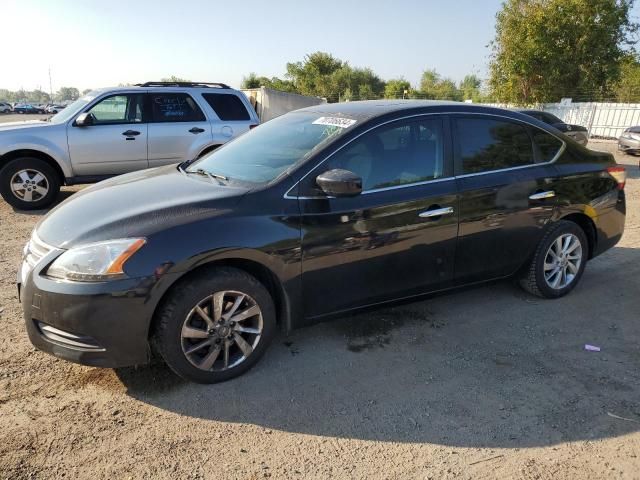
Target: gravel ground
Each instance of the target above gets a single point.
(488, 382)
(21, 117)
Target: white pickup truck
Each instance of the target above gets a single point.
(117, 130)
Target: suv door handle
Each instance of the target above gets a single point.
(542, 195)
(196, 130)
(131, 133)
(436, 212)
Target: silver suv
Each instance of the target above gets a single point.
(117, 130)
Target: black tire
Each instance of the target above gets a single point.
(167, 341)
(533, 279)
(33, 164)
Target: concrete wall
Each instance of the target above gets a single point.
(272, 103)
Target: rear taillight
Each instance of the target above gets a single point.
(253, 125)
(619, 174)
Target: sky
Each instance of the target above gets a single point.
(89, 44)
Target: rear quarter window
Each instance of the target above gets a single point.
(547, 145)
(227, 106)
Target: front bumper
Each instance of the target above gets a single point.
(103, 324)
(628, 144)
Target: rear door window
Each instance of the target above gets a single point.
(175, 107)
(227, 106)
(484, 145)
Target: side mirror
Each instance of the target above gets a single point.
(84, 120)
(340, 183)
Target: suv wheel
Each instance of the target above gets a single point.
(29, 183)
(559, 261)
(215, 326)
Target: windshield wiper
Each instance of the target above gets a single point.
(213, 176)
(217, 176)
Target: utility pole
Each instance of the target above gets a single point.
(50, 89)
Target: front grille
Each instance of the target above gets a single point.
(36, 250)
(68, 339)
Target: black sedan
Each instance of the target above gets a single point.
(322, 211)
(577, 132)
(27, 108)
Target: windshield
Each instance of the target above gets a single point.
(269, 150)
(73, 108)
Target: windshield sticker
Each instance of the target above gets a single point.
(335, 122)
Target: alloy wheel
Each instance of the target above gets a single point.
(29, 185)
(221, 331)
(562, 261)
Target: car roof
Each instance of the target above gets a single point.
(368, 109)
(100, 91)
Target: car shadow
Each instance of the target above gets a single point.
(62, 196)
(486, 367)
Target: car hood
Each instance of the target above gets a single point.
(25, 124)
(136, 205)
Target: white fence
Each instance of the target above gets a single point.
(605, 120)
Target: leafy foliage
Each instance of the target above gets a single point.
(67, 94)
(33, 96)
(397, 88)
(253, 81)
(173, 78)
(321, 74)
(628, 88)
(547, 49)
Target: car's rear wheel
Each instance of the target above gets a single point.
(215, 325)
(29, 183)
(559, 261)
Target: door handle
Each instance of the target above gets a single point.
(542, 195)
(131, 133)
(436, 212)
(196, 130)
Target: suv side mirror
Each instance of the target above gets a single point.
(84, 120)
(340, 183)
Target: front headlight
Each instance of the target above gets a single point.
(95, 262)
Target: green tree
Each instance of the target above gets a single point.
(253, 81)
(321, 74)
(67, 94)
(628, 88)
(315, 75)
(470, 88)
(547, 49)
(397, 88)
(173, 78)
(86, 90)
(38, 96)
(433, 86)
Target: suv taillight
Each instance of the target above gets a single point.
(619, 174)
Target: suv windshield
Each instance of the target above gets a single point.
(73, 108)
(266, 152)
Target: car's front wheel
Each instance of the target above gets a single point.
(559, 261)
(215, 325)
(29, 183)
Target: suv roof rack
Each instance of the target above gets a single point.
(182, 84)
